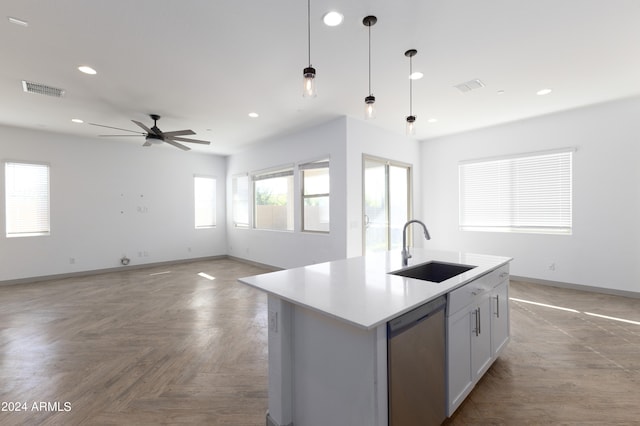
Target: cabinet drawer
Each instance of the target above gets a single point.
(464, 295)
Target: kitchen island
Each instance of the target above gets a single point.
(328, 332)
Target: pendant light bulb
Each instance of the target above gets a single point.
(411, 118)
(411, 125)
(309, 73)
(309, 82)
(369, 107)
(369, 101)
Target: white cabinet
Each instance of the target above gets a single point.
(481, 338)
(477, 331)
(500, 317)
(459, 377)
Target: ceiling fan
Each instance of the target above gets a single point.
(155, 135)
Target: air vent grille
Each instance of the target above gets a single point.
(41, 89)
(470, 85)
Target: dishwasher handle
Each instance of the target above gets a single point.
(405, 321)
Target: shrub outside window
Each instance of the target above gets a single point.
(273, 200)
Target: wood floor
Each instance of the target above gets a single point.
(167, 346)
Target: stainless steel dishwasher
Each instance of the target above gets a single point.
(416, 357)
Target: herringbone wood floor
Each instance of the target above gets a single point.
(148, 347)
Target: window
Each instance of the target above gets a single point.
(315, 196)
(240, 202)
(273, 200)
(386, 203)
(27, 199)
(205, 201)
(527, 193)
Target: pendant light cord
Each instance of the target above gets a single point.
(309, 29)
(410, 85)
(369, 59)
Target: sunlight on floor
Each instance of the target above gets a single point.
(575, 311)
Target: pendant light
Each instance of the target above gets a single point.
(309, 73)
(369, 101)
(411, 119)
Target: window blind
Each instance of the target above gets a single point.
(527, 193)
(205, 201)
(272, 174)
(27, 199)
(240, 196)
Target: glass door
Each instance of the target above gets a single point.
(386, 203)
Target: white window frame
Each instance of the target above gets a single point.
(197, 207)
(524, 193)
(321, 164)
(284, 171)
(40, 226)
(235, 209)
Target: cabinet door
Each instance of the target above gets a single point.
(499, 317)
(459, 377)
(481, 337)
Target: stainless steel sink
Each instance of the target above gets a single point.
(433, 271)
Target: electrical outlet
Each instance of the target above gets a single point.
(273, 321)
(72, 260)
(552, 267)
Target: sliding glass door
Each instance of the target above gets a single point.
(386, 203)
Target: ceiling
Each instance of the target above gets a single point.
(205, 64)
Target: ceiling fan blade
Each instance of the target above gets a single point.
(110, 136)
(178, 133)
(146, 129)
(177, 145)
(117, 128)
(191, 140)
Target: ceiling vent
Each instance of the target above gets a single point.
(41, 89)
(470, 85)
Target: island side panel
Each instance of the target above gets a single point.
(280, 392)
(324, 371)
(335, 371)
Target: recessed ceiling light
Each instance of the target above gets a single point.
(18, 21)
(543, 92)
(77, 120)
(432, 120)
(417, 75)
(87, 70)
(332, 18)
(254, 115)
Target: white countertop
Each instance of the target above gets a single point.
(360, 291)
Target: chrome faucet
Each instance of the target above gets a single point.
(405, 250)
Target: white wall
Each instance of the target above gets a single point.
(291, 249)
(365, 138)
(96, 189)
(604, 250)
(345, 140)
